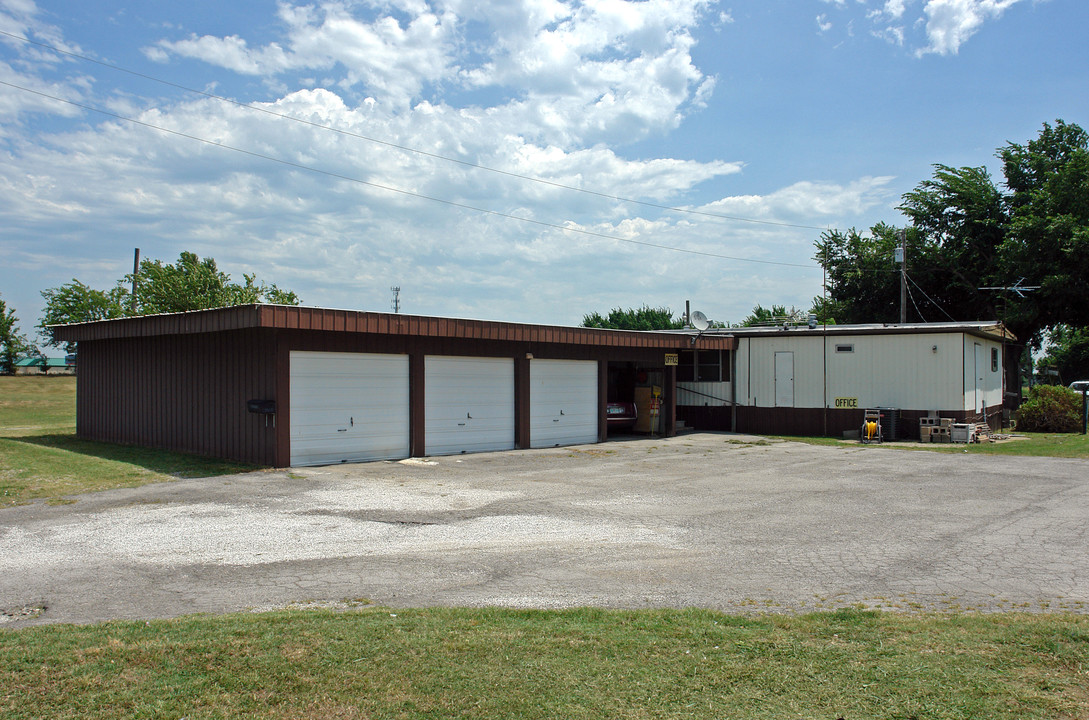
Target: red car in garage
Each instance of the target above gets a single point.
(621, 415)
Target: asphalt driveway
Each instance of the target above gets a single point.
(713, 520)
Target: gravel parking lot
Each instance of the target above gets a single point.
(713, 520)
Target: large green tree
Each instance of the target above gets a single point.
(645, 318)
(968, 233)
(13, 344)
(1067, 352)
(190, 283)
(193, 283)
(862, 279)
(1048, 230)
(75, 302)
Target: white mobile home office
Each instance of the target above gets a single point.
(801, 380)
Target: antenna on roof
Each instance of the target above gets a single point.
(396, 302)
(700, 322)
(1017, 287)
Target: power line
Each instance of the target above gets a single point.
(912, 281)
(452, 203)
(406, 148)
(914, 304)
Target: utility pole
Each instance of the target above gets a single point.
(396, 304)
(135, 277)
(903, 276)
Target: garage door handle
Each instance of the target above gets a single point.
(468, 416)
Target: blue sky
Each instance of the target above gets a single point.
(780, 114)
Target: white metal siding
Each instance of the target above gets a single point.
(756, 371)
(348, 407)
(979, 375)
(917, 372)
(979, 379)
(563, 402)
(713, 394)
(468, 404)
(929, 371)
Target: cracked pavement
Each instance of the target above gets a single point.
(712, 520)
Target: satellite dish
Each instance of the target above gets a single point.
(699, 321)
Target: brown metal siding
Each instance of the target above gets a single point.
(523, 411)
(186, 393)
(416, 399)
(602, 400)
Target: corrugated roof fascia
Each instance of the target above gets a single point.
(982, 328)
(182, 323)
(291, 317)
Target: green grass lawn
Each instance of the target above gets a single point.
(40, 456)
(444, 663)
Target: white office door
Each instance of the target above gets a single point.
(468, 404)
(563, 403)
(348, 407)
(784, 379)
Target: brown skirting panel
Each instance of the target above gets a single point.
(833, 423)
(701, 417)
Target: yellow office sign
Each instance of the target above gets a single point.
(672, 359)
(847, 403)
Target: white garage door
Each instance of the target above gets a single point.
(468, 404)
(348, 407)
(562, 402)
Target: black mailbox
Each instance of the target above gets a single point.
(262, 407)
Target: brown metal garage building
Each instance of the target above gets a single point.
(278, 385)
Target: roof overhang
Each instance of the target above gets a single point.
(289, 317)
(991, 330)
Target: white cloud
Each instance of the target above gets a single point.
(950, 23)
(545, 89)
(823, 25)
(21, 18)
(570, 72)
(947, 24)
(385, 56)
(808, 202)
(894, 9)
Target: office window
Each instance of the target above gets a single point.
(703, 366)
(994, 359)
